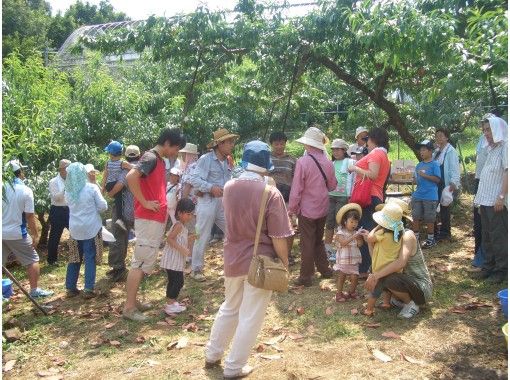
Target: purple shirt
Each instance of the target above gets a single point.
(241, 201)
(309, 194)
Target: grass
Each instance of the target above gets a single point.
(324, 340)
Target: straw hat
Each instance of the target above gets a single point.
(390, 217)
(360, 130)
(339, 143)
(399, 202)
(220, 135)
(345, 208)
(314, 137)
(189, 148)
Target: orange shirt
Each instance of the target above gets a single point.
(380, 157)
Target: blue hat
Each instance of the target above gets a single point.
(257, 153)
(114, 148)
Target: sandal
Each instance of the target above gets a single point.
(342, 297)
(369, 313)
(354, 296)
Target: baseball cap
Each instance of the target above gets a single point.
(427, 144)
(176, 171)
(132, 151)
(15, 165)
(114, 148)
(360, 150)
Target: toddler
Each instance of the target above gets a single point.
(173, 192)
(175, 253)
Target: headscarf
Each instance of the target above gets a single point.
(499, 130)
(257, 157)
(76, 180)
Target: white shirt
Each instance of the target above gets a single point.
(84, 218)
(19, 199)
(492, 170)
(56, 187)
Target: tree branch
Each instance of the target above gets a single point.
(381, 82)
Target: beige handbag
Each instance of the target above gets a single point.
(266, 272)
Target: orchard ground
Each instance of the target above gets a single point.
(306, 334)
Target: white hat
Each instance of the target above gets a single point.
(360, 130)
(189, 148)
(390, 217)
(64, 164)
(314, 137)
(90, 168)
(339, 143)
(176, 171)
(15, 165)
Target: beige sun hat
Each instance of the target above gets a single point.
(345, 208)
(132, 151)
(220, 135)
(406, 210)
(189, 148)
(339, 143)
(314, 137)
(360, 130)
(390, 217)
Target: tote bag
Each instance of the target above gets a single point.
(361, 192)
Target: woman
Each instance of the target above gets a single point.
(189, 157)
(85, 203)
(242, 313)
(376, 167)
(412, 287)
(448, 159)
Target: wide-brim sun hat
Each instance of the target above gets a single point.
(345, 208)
(220, 135)
(390, 217)
(189, 148)
(314, 137)
(257, 157)
(360, 130)
(406, 210)
(339, 144)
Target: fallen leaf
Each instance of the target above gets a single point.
(152, 363)
(271, 357)
(192, 327)
(391, 335)
(297, 290)
(372, 325)
(300, 310)
(259, 348)
(458, 310)
(466, 295)
(59, 361)
(170, 321)
(9, 365)
(329, 311)
(115, 343)
(276, 339)
(475, 305)
(291, 306)
(64, 344)
(49, 372)
(325, 287)
(411, 359)
(182, 342)
(122, 332)
(162, 323)
(276, 329)
(354, 311)
(140, 339)
(310, 329)
(171, 345)
(381, 356)
(96, 343)
(200, 344)
(109, 325)
(277, 348)
(296, 336)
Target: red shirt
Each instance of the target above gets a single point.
(380, 157)
(153, 186)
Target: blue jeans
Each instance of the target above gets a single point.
(87, 250)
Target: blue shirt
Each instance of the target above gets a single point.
(209, 172)
(426, 190)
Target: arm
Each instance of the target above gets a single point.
(500, 203)
(372, 172)
(454, 168)
(30, 217)
(54, 193)
(343, 240)
(171, 240)
(133, 180)
(199, 175)
(126, 165)
(296, 189)
(118, 187)
(100, 202)
(281, 248)
(186, 190)
(431, 178)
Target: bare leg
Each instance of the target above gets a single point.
(430, 228)
(370, 306)
(33, 275)
(340, 282)
(416, 226)
(133, 281)
(354, 283)
(386, 300)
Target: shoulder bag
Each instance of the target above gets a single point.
(361, 192)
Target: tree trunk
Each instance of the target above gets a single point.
(45, 228)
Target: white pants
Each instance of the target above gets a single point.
(240, 317)
(209, 211)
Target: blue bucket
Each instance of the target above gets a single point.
(503, 299)
(6, 288)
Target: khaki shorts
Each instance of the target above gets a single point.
(22, 249)
(424, 211)
(149, 234)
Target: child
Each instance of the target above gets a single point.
(175, 253)
(173, 192)
(340, 196)
(348, 255)
(425, 197)
(111, 174)
(384, 243)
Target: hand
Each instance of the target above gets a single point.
(351, 168)
(371, 282)
(151, 205)
(362, 232)
(216, 191)
(499, 205)
(422, 173)
(452, 187)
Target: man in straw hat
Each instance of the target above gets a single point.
(361, 137)
(59, 212)
(209, 178)
(314, 178)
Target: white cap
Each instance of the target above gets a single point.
(360, 130)
(176, 171)
(15, 165)
(90, 168)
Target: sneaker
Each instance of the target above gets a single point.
(409, 310)
(134, 315)
(174, 308)
(70, 293)
(143, 306)
(120, 223)
(245, 371)
(429, 243)
(38, 292)
(198, 276)
(88, 294)
(397, 303)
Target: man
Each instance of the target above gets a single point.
(283, 172)
(17, 213)
(361, 140)
(491, 197)
(92, 173)
(59, 212)
(147, 183)
(118, 248)
(209, 178)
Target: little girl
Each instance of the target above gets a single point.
(384, 243)
(173, 189)
(348, 255)
(175, 253)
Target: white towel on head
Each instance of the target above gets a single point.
(499, 130)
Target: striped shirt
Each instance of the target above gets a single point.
(492, 167)
(114, 170)
(173, 259)
(283, 171)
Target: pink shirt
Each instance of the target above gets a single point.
(241, 202)
(380, 157)
(309, 195)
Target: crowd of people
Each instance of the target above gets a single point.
(171, 189)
